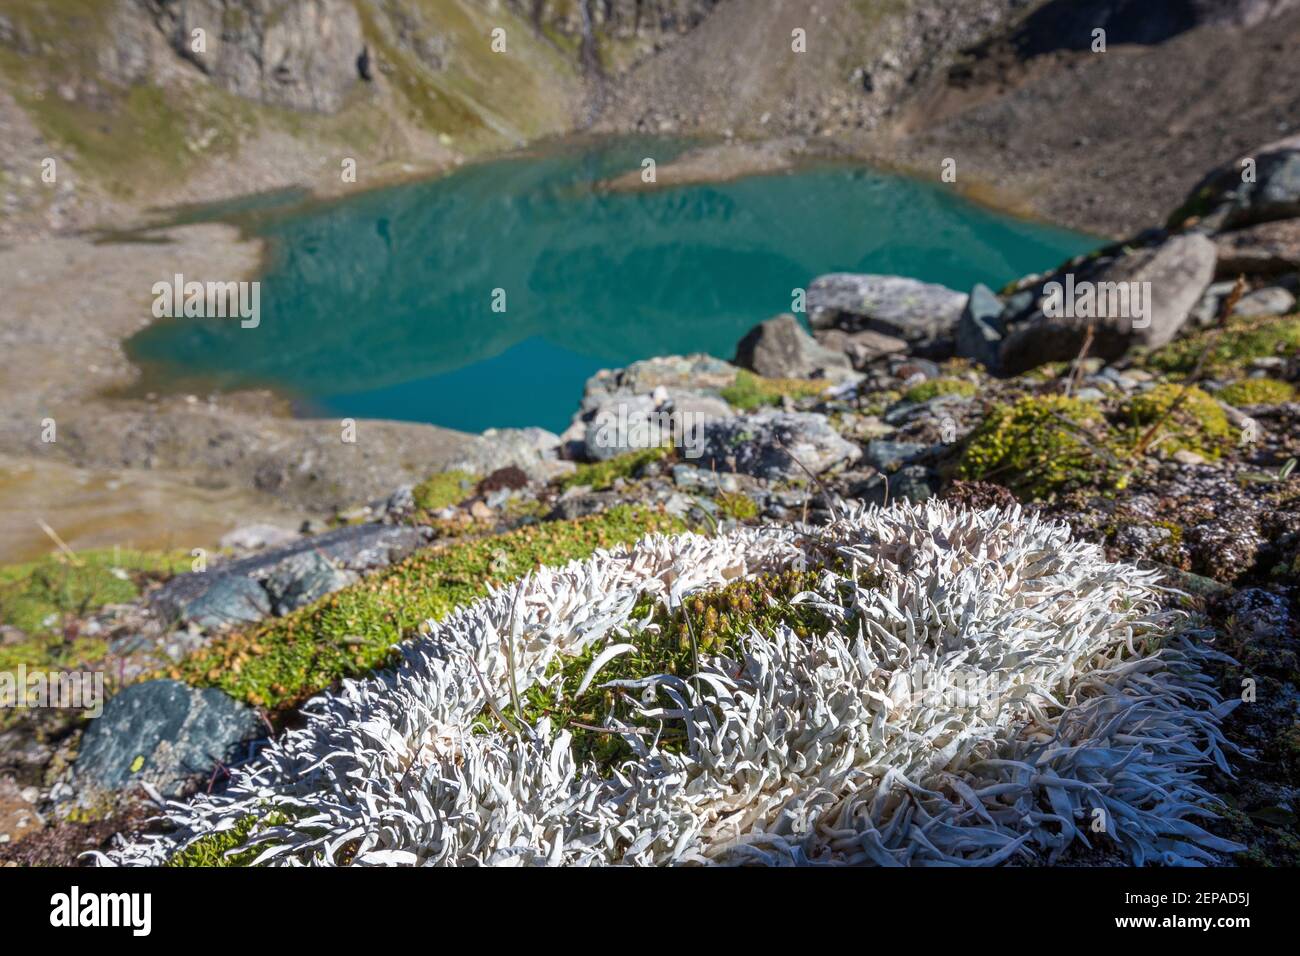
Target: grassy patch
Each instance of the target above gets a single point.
(749, 391)
(283, 661)
(1038, 446)
(939, 386)
(1257, 391)
(600, 475)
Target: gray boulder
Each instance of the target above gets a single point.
(304, 578)
(1178, 272)
(164, 733)
(774, 445)
(921, 313)
(1227, 198)
(780, 348)
(979, 329)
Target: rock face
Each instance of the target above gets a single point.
(780, 348)
(299, 54)
(1237, 195)
(922, 314)
(164, 733)
(773, 445)
(1178, 272)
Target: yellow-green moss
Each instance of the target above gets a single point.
(939, 386)
(1232, 348)
(39, 591)
(1198, 424)
(1257, 391)
(738, 505)
(750, 391)
(442, 490)
(600, 475)
(1038, 446)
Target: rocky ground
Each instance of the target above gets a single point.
(1172, 441)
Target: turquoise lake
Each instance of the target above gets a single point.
(381, 305)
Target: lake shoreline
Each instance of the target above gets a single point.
(238, 442)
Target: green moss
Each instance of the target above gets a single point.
(1231, 349)
(939, 386)
(737, 505)
(749, 391)
(1197, 424)
(36, 592)
(442, 490)
(600, 475)
(717, 619)
(1257, 391)
(281, 662)
(1038, 446)
(214, 849)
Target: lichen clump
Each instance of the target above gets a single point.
(1038, 446)
(1187, 419)
(1257, 391)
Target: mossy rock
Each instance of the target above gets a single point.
(1039, 446)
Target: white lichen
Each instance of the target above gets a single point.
(994, 692)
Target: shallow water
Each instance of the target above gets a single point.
(381, 306)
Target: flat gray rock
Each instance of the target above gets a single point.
(165, 733)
